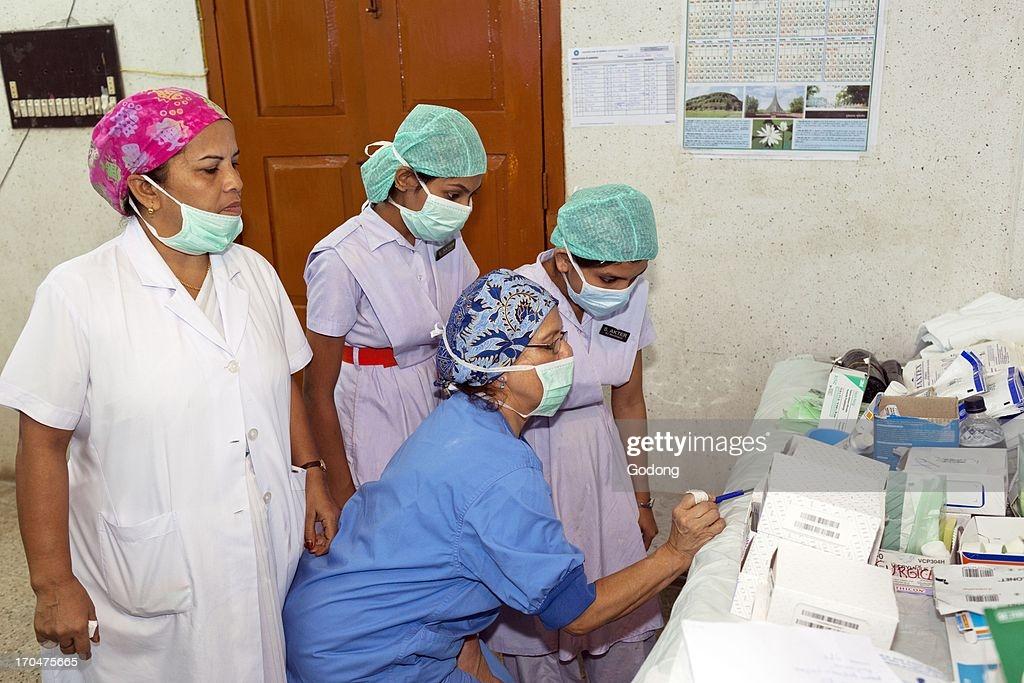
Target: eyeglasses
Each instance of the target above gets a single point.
(553, 347)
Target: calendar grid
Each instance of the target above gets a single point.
(764, 41)
(827, 8)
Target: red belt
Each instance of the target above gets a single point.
(368, 356)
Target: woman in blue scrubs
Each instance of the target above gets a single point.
(461, 521)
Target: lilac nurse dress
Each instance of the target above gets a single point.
(366, 283)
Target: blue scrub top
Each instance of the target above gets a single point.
(460, 522)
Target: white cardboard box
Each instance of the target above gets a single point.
(753, 584)
(975, 477)
(843, 393)
(870, 472)
(815, 589)
(975, 588)
(817, 504)
(988, 529)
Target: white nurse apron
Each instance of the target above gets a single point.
(163, 409)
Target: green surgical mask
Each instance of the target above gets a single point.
(202, 232)
(440, 219)
(555, 378)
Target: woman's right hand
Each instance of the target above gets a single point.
(63, 612)
(693, 525)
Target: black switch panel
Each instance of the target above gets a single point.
(60, 78)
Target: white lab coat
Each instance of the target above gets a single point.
(163, 408)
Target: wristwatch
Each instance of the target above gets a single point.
(314, 463)
(649, 505)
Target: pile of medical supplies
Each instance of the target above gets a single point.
(899, 498)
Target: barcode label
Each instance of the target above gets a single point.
(986, 597)
(979, 572)
(824, 521)
(814, 624)
(813, 528)
(827, 621)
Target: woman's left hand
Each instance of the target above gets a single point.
(320, 507)
(648, 527)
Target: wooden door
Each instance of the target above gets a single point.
(308, 84)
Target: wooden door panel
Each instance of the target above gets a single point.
(322, 177)
(437, 50)
(294, 87)
(305, 78)
(485, 231)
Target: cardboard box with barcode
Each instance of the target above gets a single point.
(976, 587)
(753, 584)
(992, 540)
(825, 499)
(909, 421)
(814, 589)
(976, 478)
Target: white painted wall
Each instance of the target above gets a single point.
(763, 259)
(48, 210)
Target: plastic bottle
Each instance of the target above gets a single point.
(978, 430)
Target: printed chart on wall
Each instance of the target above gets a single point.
(790, 78)
(622, 85)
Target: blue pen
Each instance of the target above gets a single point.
(732, 494)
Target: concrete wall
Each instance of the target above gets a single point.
(762, 259)
(48, 211)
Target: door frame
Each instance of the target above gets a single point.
(552, 118)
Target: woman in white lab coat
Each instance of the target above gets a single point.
(164, 359)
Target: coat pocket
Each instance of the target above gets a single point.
(144, 566)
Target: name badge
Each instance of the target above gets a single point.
(614, 333)
(444, 251)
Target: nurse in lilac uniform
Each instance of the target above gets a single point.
(378, 284)
(605, 237)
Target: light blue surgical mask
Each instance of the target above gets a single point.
(439, 220)
(555, 377)
(599, 302)
(202, 232)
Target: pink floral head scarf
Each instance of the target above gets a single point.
(140, 133)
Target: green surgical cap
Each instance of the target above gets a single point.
(433, 140)
(607, 223)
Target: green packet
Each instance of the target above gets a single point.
(1007, 625)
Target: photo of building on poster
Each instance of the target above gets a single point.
(777, 118)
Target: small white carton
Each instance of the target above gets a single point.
(976, 478)
(814, 589)
(975, 588)
(871, 474)
(984, 539)
(753, 584)
(843, 393)
(823, 506)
